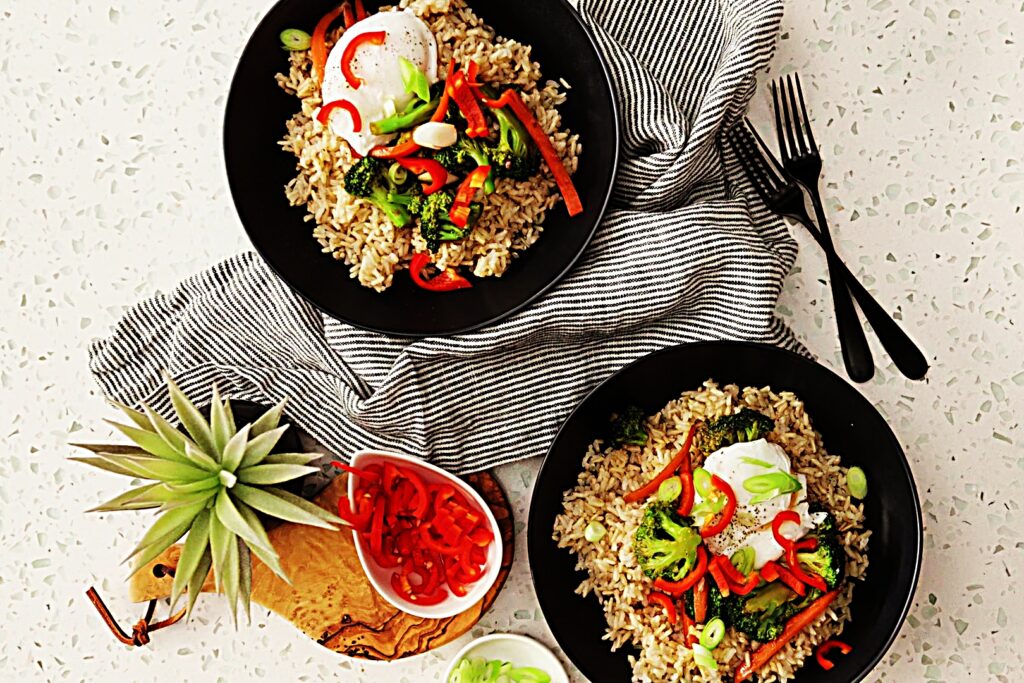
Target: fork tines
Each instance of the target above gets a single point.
(760, 165)
(795, 137)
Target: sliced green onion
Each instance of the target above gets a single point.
(670, 489)
(707, 507)
(415, 81)
(756, 461)
(595, 531)
(712, 634)
(767, 495)
(480, 670)
(857, 482)
(743, 560)
(702, 482)
(294, 40)
(703, 658)
(397, 174)
(388, 108)
(528, 674)
(762, 483)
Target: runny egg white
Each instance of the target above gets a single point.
(751, 525)
(382, 89)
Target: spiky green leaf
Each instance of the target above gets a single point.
(171, 435)
(156, 468)
(269, 420)
(235, 449)
(263, 475)
(149, 441)
(232, 577)
(175, 521)
(201, 459)
(291, 458)
(283, 505)
(245, 578)
(211, 482)
(220, 537)
(115, 448)
(229, 414)
(153, 550)
(105, 464)
(194, 422)
(182, 499)
(132, 465)
(195, 583)
(134, 415)
(219, 426)
(229, 515)
(138, 498)
(191, 554)
(260, 447)
(256, 524)
(272, 561)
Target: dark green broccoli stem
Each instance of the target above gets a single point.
(404, 120)
(368, 178)
(629, 427)
(664, 544)
(514, 154)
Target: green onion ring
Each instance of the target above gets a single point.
(670, 489)
(702, 482)
(295, 40)
(712, 634)
(703, 658)
(595, 531)
(857, 482)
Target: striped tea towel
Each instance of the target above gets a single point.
(683, 255)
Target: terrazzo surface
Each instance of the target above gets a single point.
(113, 189)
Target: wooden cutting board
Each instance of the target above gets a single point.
(331, 600)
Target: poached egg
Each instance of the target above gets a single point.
(382, 90)
(751, 525)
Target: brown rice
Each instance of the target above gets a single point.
(616, 579)
(356, 232)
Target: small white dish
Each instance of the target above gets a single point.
(380, 577)
(511, 647)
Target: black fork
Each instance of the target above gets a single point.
(780, 192)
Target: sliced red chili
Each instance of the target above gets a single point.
(688, 638)
(360, 10)
(447, 281)
(809, 544)
(676, 463)
(745, 587)
(349, 15)
(666, 603)
(318, 42)
(459, 212)
(438, 174)
(422, 499)
(700, 600)
(377, 527)
(780, 519)
(787, 577)
(716, 527)
(811, 579)
(686, 499)
(324, 115)
(718, 575)
(437, 544)
(358, 521)
(402, 149)
(459, 90)
(826, 649)
(688, 581)
(349, 53)
(729, 569)
(364, 474)
(770, 571)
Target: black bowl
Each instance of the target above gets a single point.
(258, 170)
(851, 427)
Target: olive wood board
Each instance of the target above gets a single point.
(330, 599)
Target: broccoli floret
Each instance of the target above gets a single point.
(665, 545)
(746, 425)
(465, 155)
(716, 603)
(514, 154)
(762, 615)
(827, 560)
(436, 225)
(368, 178)
(629, 427)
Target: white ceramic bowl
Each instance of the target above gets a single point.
(380, 577)
(510, 647)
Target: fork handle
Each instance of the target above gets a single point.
(904, 353)
(860, 366)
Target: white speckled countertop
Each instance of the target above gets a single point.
(112, 189)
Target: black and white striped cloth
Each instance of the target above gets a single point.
(684, 254)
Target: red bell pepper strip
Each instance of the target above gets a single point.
(826, 648)
(728, 511)
(688, 581)
(686, 499)
(780, 519)
(438, 174)
(349, 53)
(437, 545)
(459, 212)
(729, 569)
(675, 463)
(458, 89)
(318, 42)
(745, 587)
(377, 527)
(811, 579)
(664, 601)
(451, 568)
(360, 10)
(358, 521)
(770, 571)
(365, 475)
(796, 624)
(402, 586)
(715, 569)
(480, 537)
(445, 282)
(809, 544)
(572, 198)
(402, 149)
(442, 106)
(786, 577)
(324, 115)
(423, 500)
(349, 17)
(700, 600)
(688, 638)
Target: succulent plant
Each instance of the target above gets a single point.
(211, 481)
